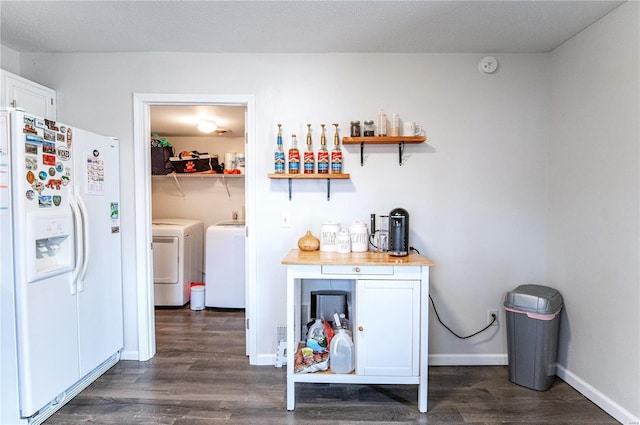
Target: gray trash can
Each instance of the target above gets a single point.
(533, 318)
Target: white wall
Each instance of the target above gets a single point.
(592, 251)
(476, 191)
(9, 60)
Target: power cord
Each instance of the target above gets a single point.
(493, 320)
(493, 316)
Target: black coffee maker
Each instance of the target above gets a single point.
(399, 232)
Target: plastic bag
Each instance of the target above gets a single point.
(308, 361)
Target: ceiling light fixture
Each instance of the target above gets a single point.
(207, 126)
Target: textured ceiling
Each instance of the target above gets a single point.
(295, 26)
(305, 26)
(174, 121)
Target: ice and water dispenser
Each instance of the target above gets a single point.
(52, 242)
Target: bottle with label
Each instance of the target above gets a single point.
(279, 154)
(394, 131)
(323, 154)
(382, 124)
(309, 157)
(294, 156)
(336, 154)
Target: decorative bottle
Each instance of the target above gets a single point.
(382, 124)
(294, 156)
(279, 154)
(309, 157)
(323, 154)
(336, 154)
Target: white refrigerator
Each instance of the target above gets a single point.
(61, 306)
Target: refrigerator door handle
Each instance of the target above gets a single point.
(77, 220)
(85, 244)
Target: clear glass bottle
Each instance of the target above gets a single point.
(294, 156)
(279, 153)
(323, 154)
(336, 154)
(309, 156)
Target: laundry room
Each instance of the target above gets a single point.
(198, 205)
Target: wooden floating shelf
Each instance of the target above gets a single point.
(382, 140)
(314, 176)
(193, 175)
(308, 176)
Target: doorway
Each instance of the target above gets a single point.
(142, 104)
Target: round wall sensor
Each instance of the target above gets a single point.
(488, 65)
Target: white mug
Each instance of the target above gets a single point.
(410, 128)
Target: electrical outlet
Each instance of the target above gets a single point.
(285, 219)
(490, 314)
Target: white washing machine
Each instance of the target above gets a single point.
(224, 265)
(177, 259)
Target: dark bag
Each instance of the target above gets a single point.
(161, 160)
(194, 162)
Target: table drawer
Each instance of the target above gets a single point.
(357, 270)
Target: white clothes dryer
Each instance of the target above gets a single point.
(177, 259)
(224, 265)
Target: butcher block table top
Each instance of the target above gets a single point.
(297, 257)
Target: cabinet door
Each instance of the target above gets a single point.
(33, 98)
(387, 327)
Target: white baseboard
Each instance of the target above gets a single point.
(605, 403)
(468, 360)
(130, 355)
(265, 360)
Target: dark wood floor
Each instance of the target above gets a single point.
(200, 375)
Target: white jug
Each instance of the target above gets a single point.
(341, 354)
(359, 236)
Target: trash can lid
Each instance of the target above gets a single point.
(534, 299)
